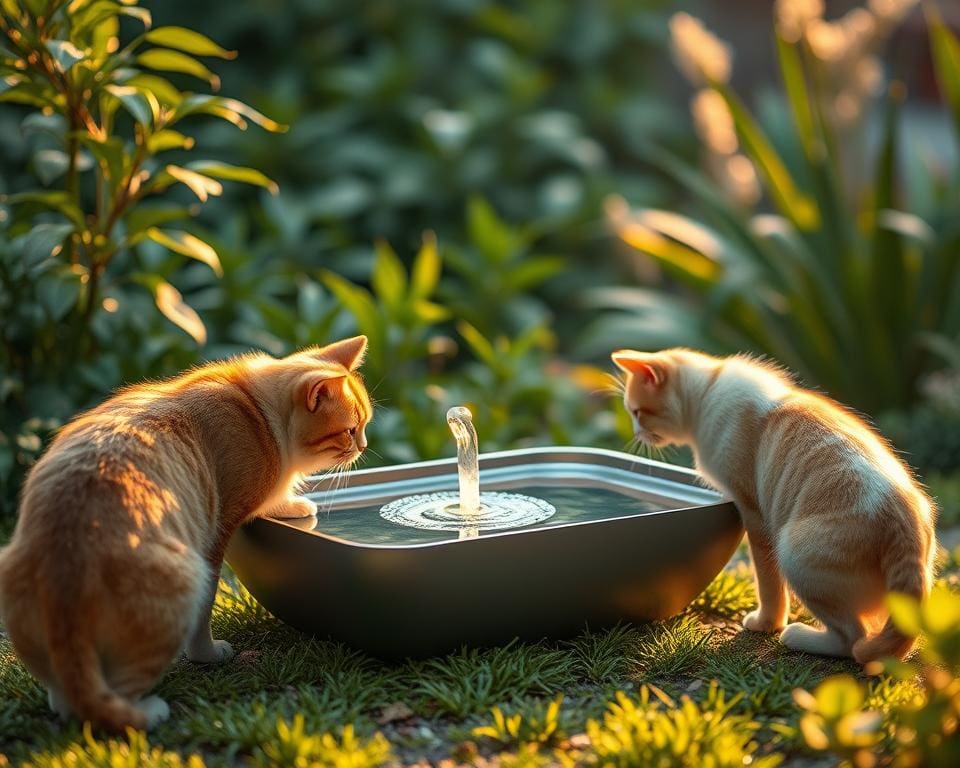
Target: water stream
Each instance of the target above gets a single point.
(468, 512)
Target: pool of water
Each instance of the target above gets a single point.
(363, 524)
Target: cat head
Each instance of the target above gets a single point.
(330, 407)
(651, 395)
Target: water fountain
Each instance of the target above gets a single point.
(467, 512)
(417, 559)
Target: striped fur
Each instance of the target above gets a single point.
(828, 507)
(123, 523)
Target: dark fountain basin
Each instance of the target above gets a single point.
(632, 540)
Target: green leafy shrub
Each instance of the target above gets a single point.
(846, 279)
(86, 256)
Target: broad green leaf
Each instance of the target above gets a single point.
(430, 312)
(202, 186)
(161, 88)
(170, 302)
(389, 278)
(426, 268)
(28, 93)
(65, 53)
(110, 154)
(59, 291)
(184, 39)
(134, 102)
(227, 109)
(37, 122)
(165, 140)
(41, 242)
(186, 244)
(235, 173)
(488, 232)
(482, 348)
(164, 60)
(50, 164)
(905, 613)
(56, 200)
(360, 304)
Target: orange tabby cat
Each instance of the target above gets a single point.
(829, 510)
(113, 567)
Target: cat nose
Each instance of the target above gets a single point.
(360, 439)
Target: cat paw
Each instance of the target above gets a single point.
(296, 506)
(755, 621)
(58, 704)
(154, 709)
(217, 652)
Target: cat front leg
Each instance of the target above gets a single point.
(772, 595)
(292, 507)
(201, 647)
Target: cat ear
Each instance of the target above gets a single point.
(316, 386)
(349, 352)
(640, 364)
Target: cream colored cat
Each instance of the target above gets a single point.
(829, 509)
(114, 563)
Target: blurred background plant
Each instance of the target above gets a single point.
(819, 237)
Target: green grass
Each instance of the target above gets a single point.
(286, 699)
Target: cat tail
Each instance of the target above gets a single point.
(905, 567)
(76, 666)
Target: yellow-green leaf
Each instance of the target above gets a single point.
(426, 268)
(202, 186)
(161, 141)
(184, 39)
(170, 302)
(389, 277)
(235, 173)
(188, 245)
(165, 60)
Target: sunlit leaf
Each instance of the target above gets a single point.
(235, 173)
(165, 140)
(132, 101)
(186, 244)
(165, 60)
(161, 88)
(202, 186)
(426, 268)
(389, 278)
(184, 39)
(65, 53)
(482, 348)
(170, 302)
(488, 232)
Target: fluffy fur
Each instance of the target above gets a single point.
(828, 508)
(123, 523)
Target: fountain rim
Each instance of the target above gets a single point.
(658, 469)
